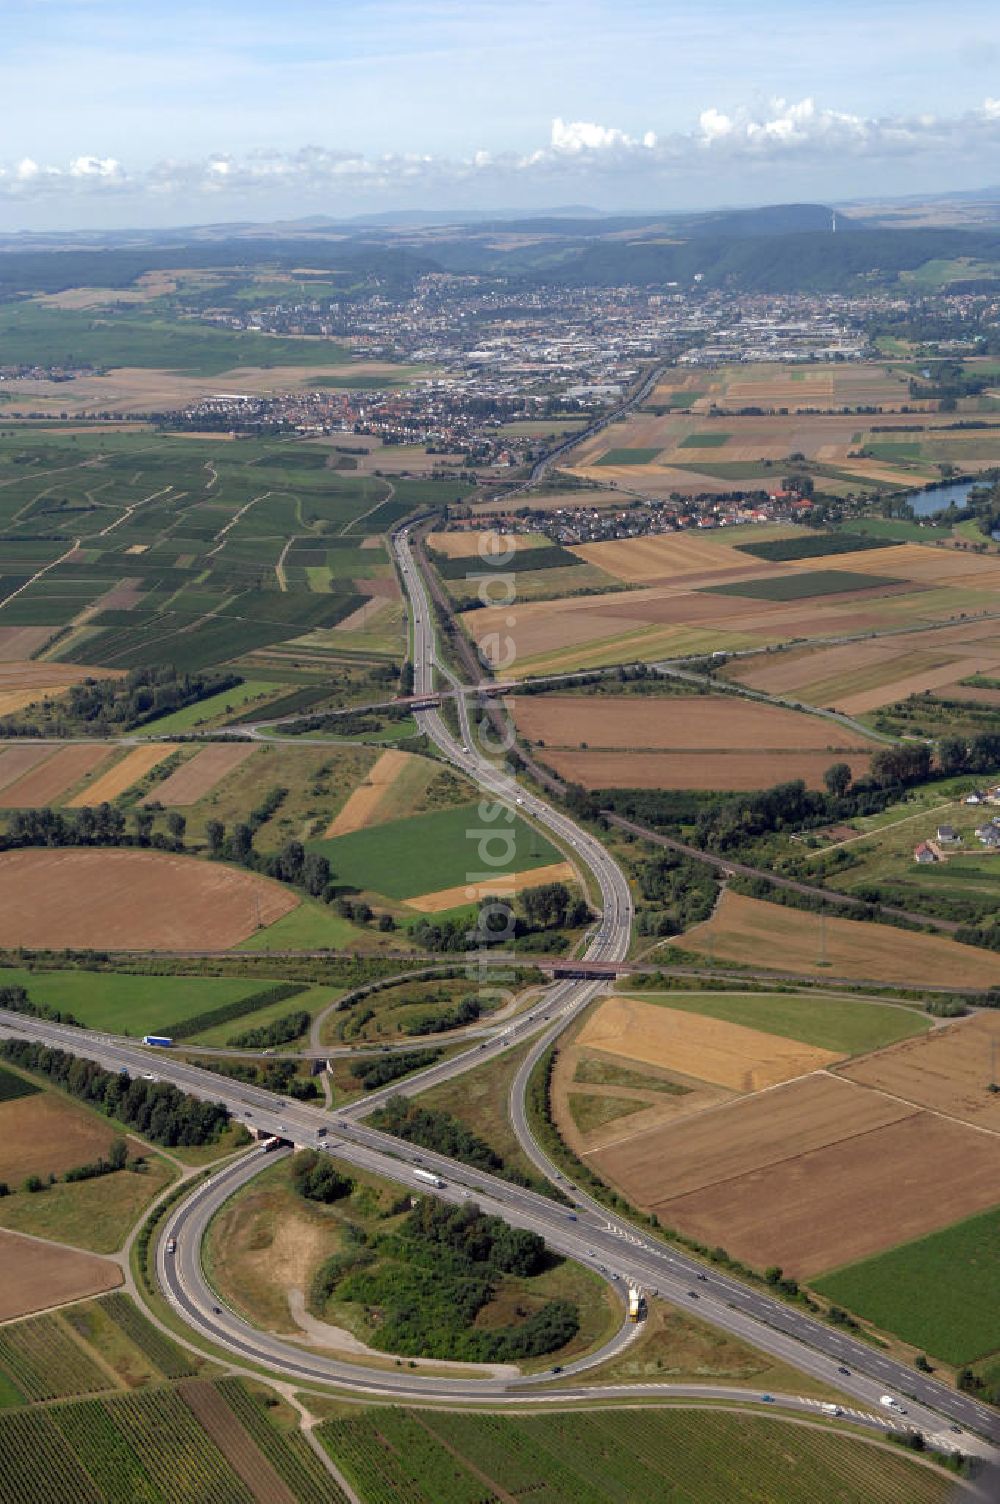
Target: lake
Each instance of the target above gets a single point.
(939, 498)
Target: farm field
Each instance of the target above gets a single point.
(703, 1457)
(940, 1293)
(752, 418)
(35, 1276)
(707, 741)
(504, 884)
(46, 1133)
(807, 1175)
(196, 553)
(55, 776)
(484, 544)
(122, 898)
(755, 933)
(198, 776)
(404, 859)
(126, 1003)
(861, 676)
(25, 683)
(119, 778)
(732, 771)
(162, 1445)
(675, 607)
(691, 1044)
(363, 805)
(948, 1071)
(830, 1022)
(689, 723)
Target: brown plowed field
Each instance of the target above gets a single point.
(123, 899)
(16, 760)
(46, 1134)
(362, 804)
(740, 1138)
(44, 784)
(698, 770)
(198, 777)
(135, 765)
(18, 643)
(35, 1275)
(674, 722)
(861, 676)
(829, 1206)
(236, 1445)
(695, 1045)
(948, 1071)
(756, 933)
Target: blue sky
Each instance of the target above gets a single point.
(156, 112)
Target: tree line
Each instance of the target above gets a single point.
(143, 695)
(155, 1109)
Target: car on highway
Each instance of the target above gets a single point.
(842, 1369)
(694, 1295)
(171, 1245)
(768, 1399)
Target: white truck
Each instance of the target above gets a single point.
(889, 1403)
(428, 1178)
(634, 1303)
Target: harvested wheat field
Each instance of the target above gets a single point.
(362, 806)
(124, 899)
(63, 770)
(820, 1209)
(133, 766)
(23, 674)
(16, 760)
(504, 885)
(198, 777)
(740, 1137)
(486, 544)
(917, 562)
(756, 933)
(735, 771)
(710, 1049)
(35, 1275)
(948, 1071)
(678, 556)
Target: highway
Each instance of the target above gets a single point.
(584, 1231)
(592, 1236)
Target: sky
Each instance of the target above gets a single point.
(167, 112)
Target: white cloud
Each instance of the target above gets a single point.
(783, 133)
(584, 135)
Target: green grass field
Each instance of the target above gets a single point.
(309, 926)
(688, 1456)
(429, 852)
(941, 1293)
(212, 708)
(710, 440)
(628, 457)
(13, 1086)
(125, 1004)
(829, 1023)
(803, 585)
(31, 333)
